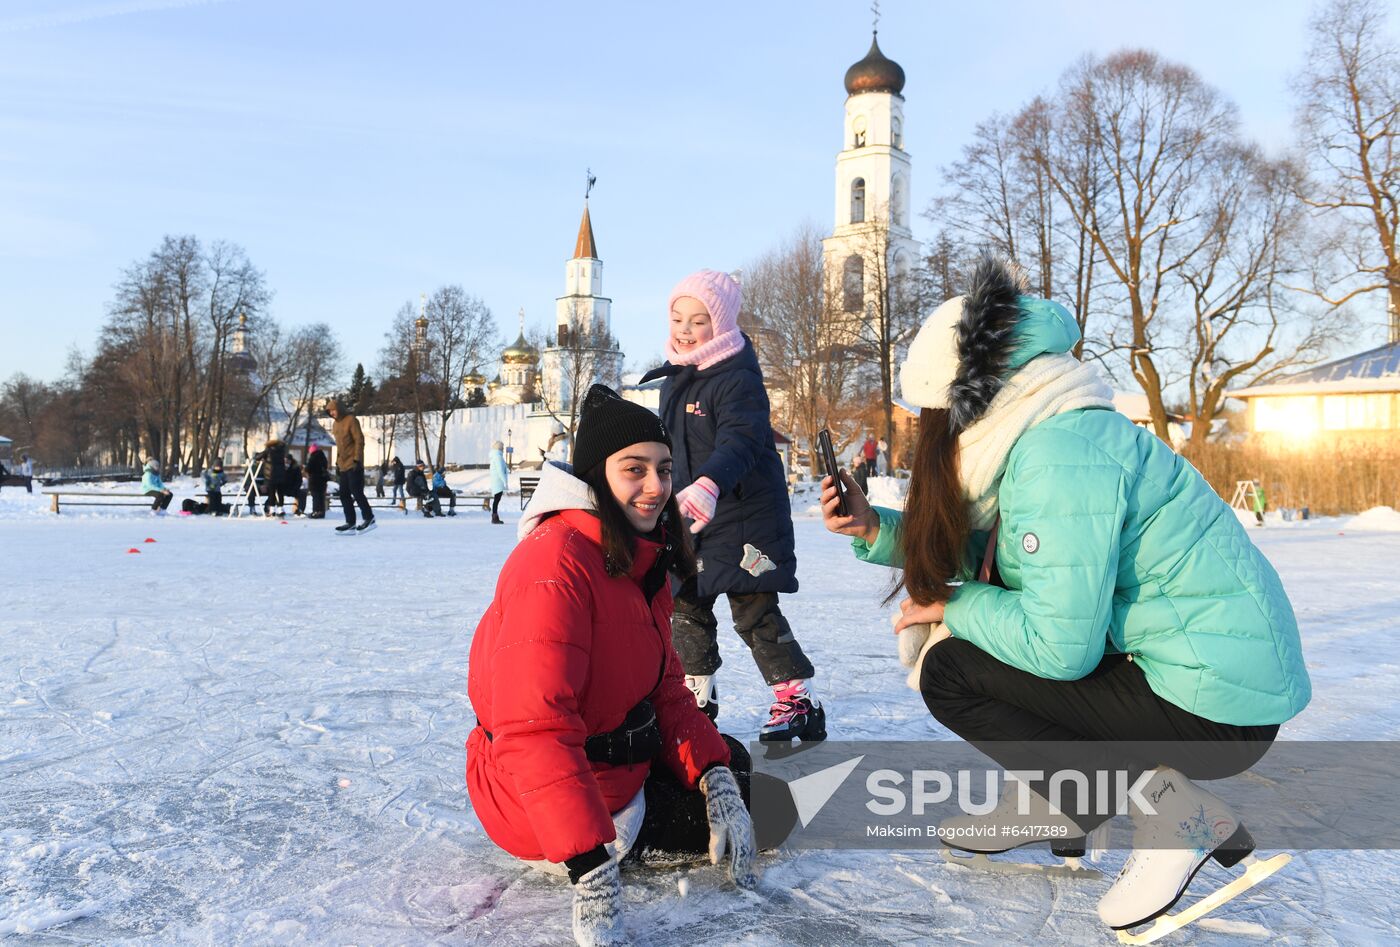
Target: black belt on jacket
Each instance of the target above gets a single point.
(636, 740)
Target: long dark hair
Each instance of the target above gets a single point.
(620, 536)
(935, 529)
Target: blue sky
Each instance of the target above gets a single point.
(364, 152)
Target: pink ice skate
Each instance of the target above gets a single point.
(796, 712)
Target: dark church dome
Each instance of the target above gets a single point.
(875, 73)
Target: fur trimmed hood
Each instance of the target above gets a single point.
(972, 343)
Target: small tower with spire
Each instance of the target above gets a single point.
(582, 351)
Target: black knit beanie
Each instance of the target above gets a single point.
(607, 424)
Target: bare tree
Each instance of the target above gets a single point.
(880, 331)
(235, 288)
(585, 352)
(801, 341)
(319, 369)
(407, 386)
(1244, 329)
(1349, 122)
(999, 197)
(459, 336)
(166, 339)
(1155, 129)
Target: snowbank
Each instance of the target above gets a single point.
(887, 492)
(1376, 518)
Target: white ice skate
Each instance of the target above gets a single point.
(1190, 828)
(706, 695)
(969, 839)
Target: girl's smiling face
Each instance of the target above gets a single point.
(690, 324)
(640, 479)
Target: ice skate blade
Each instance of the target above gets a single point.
(1167, 923)
(1072, 867)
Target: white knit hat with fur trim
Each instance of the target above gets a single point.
(932, 361)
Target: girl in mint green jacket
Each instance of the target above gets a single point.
(1087, 585)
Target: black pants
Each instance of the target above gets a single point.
(160, 499)
(495, 506)
(694, 631)
(379, 485)
(352, 492)
(215, 501)
(1006, 712)
(675, 822)
(318, 498)
(451, 497)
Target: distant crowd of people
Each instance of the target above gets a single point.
(278, 479)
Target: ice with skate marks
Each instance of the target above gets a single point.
(1256, 871)
(1071, 857)
(1071, 866)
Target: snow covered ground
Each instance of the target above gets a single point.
(251, 732)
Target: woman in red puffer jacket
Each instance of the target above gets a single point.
(588, 744)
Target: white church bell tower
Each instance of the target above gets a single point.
(871, 248)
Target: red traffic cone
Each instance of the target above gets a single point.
(135, 550)
(149, 539)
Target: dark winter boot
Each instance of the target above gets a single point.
(796, 713)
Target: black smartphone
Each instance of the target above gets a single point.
(829, 462)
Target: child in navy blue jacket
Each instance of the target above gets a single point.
(730, 483)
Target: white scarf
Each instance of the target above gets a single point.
(1044, 387)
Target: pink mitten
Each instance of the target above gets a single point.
(697, 502)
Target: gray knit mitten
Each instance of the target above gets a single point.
(730, 825)
(598, 908)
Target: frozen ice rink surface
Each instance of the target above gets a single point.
(252, 733)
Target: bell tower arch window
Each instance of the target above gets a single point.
(858, 201)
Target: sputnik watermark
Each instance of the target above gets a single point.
(933, 787)
(875, 794)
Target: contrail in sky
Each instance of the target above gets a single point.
(95, 11)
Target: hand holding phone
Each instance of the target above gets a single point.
(844, 508)
(832, 470)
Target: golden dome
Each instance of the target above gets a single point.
(520, 351)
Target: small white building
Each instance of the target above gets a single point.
(1356, 398)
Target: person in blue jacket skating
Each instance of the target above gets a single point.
(730, 484)
(1079, 582)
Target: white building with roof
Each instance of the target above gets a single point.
(1352, 398)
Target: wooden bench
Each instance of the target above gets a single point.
(96, 499)
(527, 489)
(387, 503)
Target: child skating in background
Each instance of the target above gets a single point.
(730, 484)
